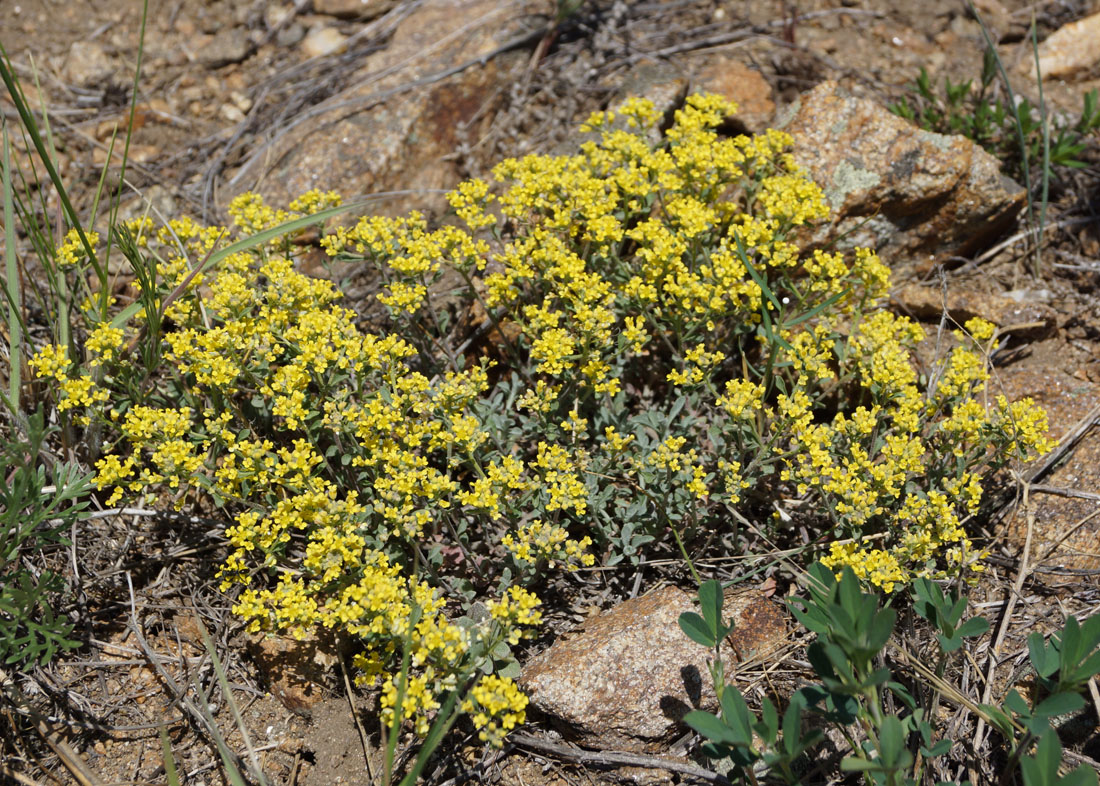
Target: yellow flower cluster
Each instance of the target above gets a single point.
(865, 465)
(52, 362)
(496, 706)
(334, 454)
(72, 249)
(516, 608)
(251, 215)
(103, 343)
(633, 239)
(542, 542)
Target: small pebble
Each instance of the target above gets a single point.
(323, 41)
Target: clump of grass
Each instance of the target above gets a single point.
(978, 114)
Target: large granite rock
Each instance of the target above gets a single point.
(400, 123)
(628, 676)
(908, 193)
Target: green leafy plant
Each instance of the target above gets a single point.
(1043, 769)
(732, 734)
(944, 611)
(974, 112)
(1070, 658)
(1063, 666)
(38, 505)
(852, 629)
(1017, 132)
(857, 688)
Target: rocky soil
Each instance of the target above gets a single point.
(394, 101)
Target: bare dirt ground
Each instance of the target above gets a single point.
(221, 80)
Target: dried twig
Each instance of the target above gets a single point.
(1061, 492)
(614, 758)
(15, 775)
(1006, 619)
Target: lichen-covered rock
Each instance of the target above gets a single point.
(629, 675)
(909, 194)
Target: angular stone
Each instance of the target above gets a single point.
(322, 41)
(380, 135)
(298, 673)
(1024, 318)
(227, 46)
(909, 194)
(744, 86)
(998, 18)
(628, 676)
(661, 83)
(1069, 51)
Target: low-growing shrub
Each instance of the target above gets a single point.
(662, 356)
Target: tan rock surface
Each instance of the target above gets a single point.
(628, 676)
(1028, 319)
(322, 41)
(744, 86)
(353, 9)
(87, 64)
(1069, 51)
(296, 672)
(380, 134)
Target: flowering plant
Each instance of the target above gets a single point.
(660, 356)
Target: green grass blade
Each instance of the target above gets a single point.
(820, 307)
(104, 294)
(170, 775)
(227, 692)
(1021, 139)
(12, 290)
(444, 720)
(232, 772)
(1044, 120)
(30, 126)
(399, 701)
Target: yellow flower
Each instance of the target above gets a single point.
(52, 362)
